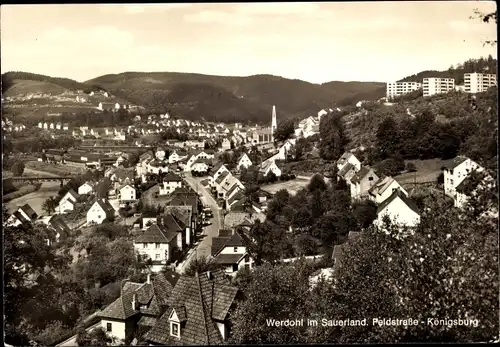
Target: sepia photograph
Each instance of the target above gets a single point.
(280, 173)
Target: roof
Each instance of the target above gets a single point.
(266, 164)
(224, 240)
(59, 225)
(345, 169)
(171, 177)
(453, 163)
(236, 197)
(228, 259)
(123, 173)
(403, 197)
(156, 234)
(381, 185)
(121, 308)
(345, 157)
(199, 301)
(221, 177)
(29, 211)
(182, 214)
(358, 176)
(106, 207)
(73, 194)
(170, 222)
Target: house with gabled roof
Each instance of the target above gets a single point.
(400, 210)
(100, 211)
(24, 215)
(185, 218)
(198, 313)
(362, 181)
(229, 249)
(57, 227)
(455, 171)
(157, 243)
(201, 165)
(139, 305)
(171, 182)
(215, 172)
(348, 158)
(384, 188)
(127, 193)
(243, 161)
(347, 172)
(269, 166)
(123, 175)
(68, 201)
(104, 188)
(86, 188)
(173, 224)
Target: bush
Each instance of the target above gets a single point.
(410, 167)
(391, 166)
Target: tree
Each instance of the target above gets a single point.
(333, 137)
(447, 268)
(200, 265)
(284, 131)
(388, 138)
(17, 168)
(365, 212)
(274, 293)
(30, 270)
(96, 337)
(266, 242)
(50, 205)
(317, 182)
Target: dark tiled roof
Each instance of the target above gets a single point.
(171, 177)
(106, 207)
(222, 176)
(402, 196)
(228, 259)
(198, 301)
(156, 234)
(236, 197)
(74, 194)
(122, 174)
(360, 174)
(453, 163)
(182, 214)
(121, 308)
(345, 170)
(29, 211)
(225, 240)
(171, 223)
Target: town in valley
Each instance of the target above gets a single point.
(195, 208)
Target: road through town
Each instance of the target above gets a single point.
(203, 248)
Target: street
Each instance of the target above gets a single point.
(204, 246)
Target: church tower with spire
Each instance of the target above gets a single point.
(274, 123)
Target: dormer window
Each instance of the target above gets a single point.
(235, 249)
(174, 329)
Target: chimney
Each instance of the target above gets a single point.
(134, 301)
(149, 279)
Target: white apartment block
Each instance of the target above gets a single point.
(479, 82)
(399, 88)
(436, 85)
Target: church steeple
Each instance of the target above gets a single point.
(274, 123)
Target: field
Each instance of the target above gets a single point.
(427, 171)
(54, 169)
(292, 186)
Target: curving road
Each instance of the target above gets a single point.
(203, 247)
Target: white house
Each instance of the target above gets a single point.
(86, 188)
(197, 155)
(455, 171)
(199, 165)
(99, 212)
(68, 201)
(216, 172)
(160, 153)
(156, 243)
(346, 158)
(270, 166)
(127, 193)
(362, 181)
(24, 214)
(176, 156)
(171, 182)
(243, 161)
(400, 210)
(226, 144)
(228, 249)
(383, 189)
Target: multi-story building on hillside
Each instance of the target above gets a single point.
(436, 85)
(479, 82)
(399, 88)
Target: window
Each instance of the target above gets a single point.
(157, 245)
(144, 245)
(235, 267)
(370, 178)
(157, 257)
(108, 327)
(98, 216)
(174, 329)
(235, 249)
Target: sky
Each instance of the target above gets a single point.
(314, 42)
